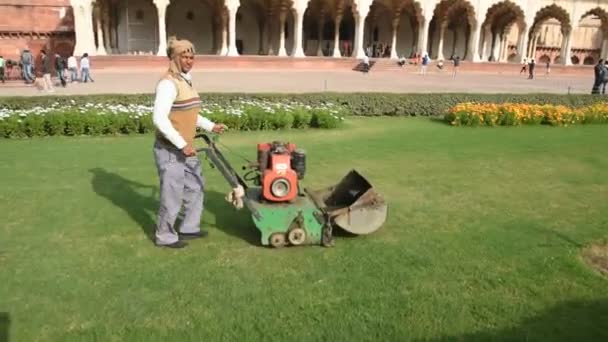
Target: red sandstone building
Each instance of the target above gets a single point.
(484, 30)
(35, 24)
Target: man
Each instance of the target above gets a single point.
(599, 73)
(60, 69)
(46, 72)
(27, 60)
(605, 81)
(2, 69)
(524, 66)
(365, 64)
(456, 66)
(425, 63)
(85, 68)
(73, 68)
(531, 68)
(176, 118)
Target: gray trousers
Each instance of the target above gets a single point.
(181, 183)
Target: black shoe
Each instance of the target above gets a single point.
(192, 236)
(177, 244)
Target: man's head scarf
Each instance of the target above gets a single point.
(175, 48)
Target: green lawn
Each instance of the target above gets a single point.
(482, 242)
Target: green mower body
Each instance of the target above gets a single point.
(309, 218)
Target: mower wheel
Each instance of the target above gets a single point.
(277, 240)
(296, 236)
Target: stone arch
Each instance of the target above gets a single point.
(450, 28)
(250, 26)
(601, 14)
(137, 27)
(499, 21)
(589, 60)
(320, 27)
(544, 59)
(409, 21)
(592, 31)
(192, 20)
(552, 11)
(378, 28)
(398, 18)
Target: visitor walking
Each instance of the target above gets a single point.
(85, 68)
(73, 68)
(600, 74)
(2, 69)
(456, 62)
(47, 85)
(60, 69)
(531, 67)
(27, 61)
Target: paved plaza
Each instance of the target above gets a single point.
(258, 81)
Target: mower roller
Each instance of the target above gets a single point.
(286, 213)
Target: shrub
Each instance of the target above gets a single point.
(510, 114)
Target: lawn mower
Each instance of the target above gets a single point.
(283, 210)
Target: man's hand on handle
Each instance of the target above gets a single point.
(219, 128)
(189, 151)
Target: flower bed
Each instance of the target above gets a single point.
(512, 114)
(72, 118)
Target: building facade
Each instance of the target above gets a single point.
(474, 30)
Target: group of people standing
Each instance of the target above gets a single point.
(61, 67)
(601, 77)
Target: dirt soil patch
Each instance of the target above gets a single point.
(596, 255)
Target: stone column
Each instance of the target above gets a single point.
(264, 37)
(224, 34)
(298, 32)
(161, 9)
(101, 49)
(442, 28)
(423, 35)
(522, 44)
(566, 52)
(395, 26)
(473, 47)
(83, 27)
(105, 13)
(487, 41)
(232, 8)
(270, 37)
(282, 17)
(337, 36)
(320, 34)
(360, 32)
(604, 50)
(495, 47)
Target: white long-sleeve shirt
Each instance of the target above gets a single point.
(166, 93)
(84, 63)
(72, 63)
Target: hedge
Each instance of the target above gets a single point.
(361, 104)
(126, 114)
(74, 119)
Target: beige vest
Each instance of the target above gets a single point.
(185, 109)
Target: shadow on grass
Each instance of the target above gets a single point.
(236, 223)
(5, 324)
(568, 321)
(439, 120)
(124, 194)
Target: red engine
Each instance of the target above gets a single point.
(281, 165)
